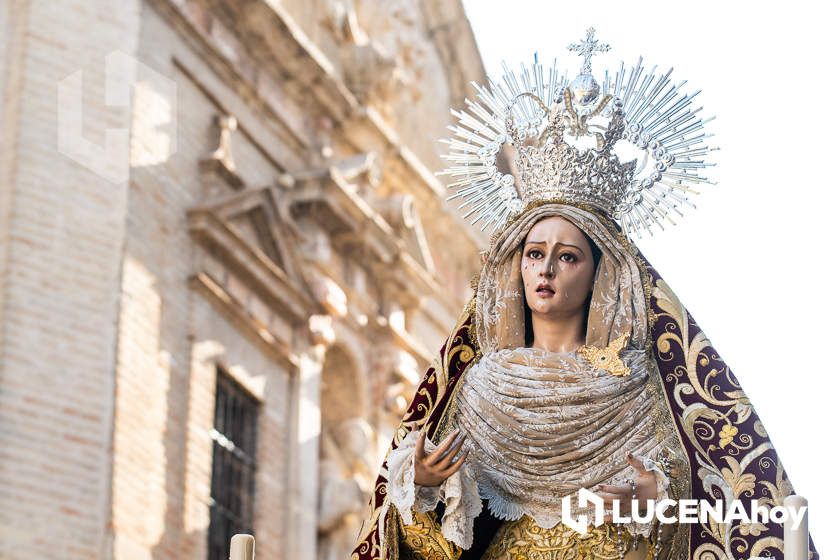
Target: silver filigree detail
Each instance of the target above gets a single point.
(540, 114)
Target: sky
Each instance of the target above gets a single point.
(755, 263)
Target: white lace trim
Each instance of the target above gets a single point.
(510, 510)
(662, 485)
(459, 493)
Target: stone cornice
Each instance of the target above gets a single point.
(367, 227)
(299, 57)
(261, 274)
(426, 185)
(227, 304)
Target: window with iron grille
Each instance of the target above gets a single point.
(234, 436)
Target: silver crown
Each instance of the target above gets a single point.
(562, 139)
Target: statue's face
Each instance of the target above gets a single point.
(558, 268)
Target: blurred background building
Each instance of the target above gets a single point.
(225, 264)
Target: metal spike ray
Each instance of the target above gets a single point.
(661, 118)
(654, 115)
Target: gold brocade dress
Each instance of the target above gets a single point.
(523, 539)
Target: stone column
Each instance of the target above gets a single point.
(302, 532)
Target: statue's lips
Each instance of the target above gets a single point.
(545, 291)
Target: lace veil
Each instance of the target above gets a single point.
(618, 297)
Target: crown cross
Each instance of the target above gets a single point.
(587, 48)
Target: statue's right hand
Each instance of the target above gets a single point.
(437, 466)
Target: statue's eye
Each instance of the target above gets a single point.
(534, 254)
(572, 257)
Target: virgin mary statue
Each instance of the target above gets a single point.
(574, 366)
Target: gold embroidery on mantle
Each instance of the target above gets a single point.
(469, 355)
(718, 420)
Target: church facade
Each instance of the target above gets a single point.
(225, 263)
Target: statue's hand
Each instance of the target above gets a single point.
(437, 466)
(645, 489)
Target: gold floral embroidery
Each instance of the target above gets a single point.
(523, 539)
(727, 434)
(607, 358)
(423, 539)
(719, 416)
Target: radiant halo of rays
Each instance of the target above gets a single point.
(661, 120)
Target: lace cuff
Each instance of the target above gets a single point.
(662, 485)
(459, 493)
(404, 494)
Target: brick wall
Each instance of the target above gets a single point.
(63, 232)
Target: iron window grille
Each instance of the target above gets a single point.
(232, 489)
